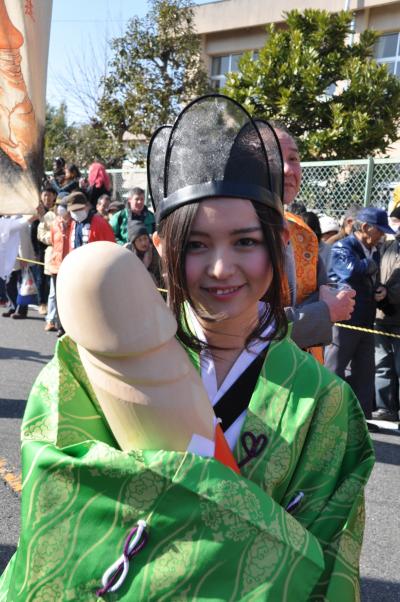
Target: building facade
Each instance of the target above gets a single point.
(228, 28)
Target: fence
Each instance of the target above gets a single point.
(327, 186)
(331, 186)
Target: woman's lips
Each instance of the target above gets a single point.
(221, 293)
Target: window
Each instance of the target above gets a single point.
(387, 51)
(220, 66)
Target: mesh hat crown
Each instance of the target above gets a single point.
(214, 149)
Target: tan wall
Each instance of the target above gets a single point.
(385, 18)
(238, 14)
(237, 41)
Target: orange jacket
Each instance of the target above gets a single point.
(59, 233)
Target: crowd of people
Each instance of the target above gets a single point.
(357, 253)
(74, 211)
(362, 251)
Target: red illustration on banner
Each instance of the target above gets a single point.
(29, 9)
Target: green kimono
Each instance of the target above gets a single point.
(212, 535)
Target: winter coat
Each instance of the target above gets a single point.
(119, 223)
(349, 265)
(60, 234)
(94, 228)
(43, 235)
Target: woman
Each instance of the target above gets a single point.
(221, 256)
(297, 432)
(71, 179)
(97, 184)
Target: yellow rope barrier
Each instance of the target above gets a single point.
(348, 326)
(370, 330)
(30, 261)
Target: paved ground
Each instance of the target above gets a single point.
(25, 348)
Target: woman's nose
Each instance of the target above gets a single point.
(221, 266)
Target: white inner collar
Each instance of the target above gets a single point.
(209, 377)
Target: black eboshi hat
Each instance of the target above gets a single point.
(214, 149)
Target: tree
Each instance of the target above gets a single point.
(156, 68)
(57, 133)
(81, 144)
(337, 101)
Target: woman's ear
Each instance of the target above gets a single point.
(157, 243)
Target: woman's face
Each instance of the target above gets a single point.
(227, 264)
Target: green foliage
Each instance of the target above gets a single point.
(57, 134)
(79, 144)
(292, 79)
(155, 69)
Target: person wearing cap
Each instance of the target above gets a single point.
(87, 225)
(139, 242)
(60, 245)
(329, 227)
(355, 262)
(387, 348)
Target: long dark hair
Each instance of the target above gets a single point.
(175, 231)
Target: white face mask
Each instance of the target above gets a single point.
(62, 211)
(79, 215)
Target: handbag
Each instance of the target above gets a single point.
(27, 293)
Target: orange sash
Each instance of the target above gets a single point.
(305, 250)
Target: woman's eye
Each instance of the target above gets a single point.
(247, 242)
(194, 245)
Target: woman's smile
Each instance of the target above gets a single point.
(227, 264)
(223, 293)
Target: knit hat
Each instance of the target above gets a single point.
(136, 229)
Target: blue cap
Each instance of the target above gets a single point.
(375, 217)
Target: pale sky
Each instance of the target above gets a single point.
(77, 27)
